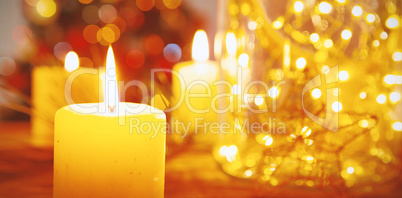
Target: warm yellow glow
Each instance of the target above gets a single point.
(397, 56)
(350, 170)
(248, 173)
(383, 35)
(314, 37)
(231, 44)
(248, 98)
(370, 18)
(286, 56)
(357, 11)
(325, 7)
(243, 60)
(363, 95)
(376, 43)
(111, 92)
(392, 22)
(381, 98)
(218, 45)
(316, 93)
(397, 126)
(277, 24)
(298, 6)
(268, 140)
(200, 50)
(336, 106)
(259, 100)
(309, 159)
(364, 123)
(341, 1)
(325, 69)
(71, 61)
(390, 79)
(235, 89)
(301, 63)
(328, 43)
(228, 152)
(346, 34)
(46, 8)
(395, 97)
(273, 92)
(343, 75)
(306, 131)
(252, 25)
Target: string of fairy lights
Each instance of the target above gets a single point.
(295, 41)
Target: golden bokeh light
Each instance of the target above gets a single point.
(336, 106)
(245, 8)
(357, 11)
(268, 140)
(248, 173)
(384, 35)
(316, 93)
(376, 43)
(243, 60)
(90, 33)
(259, 100)
(46, 8)
(154, 44)
(370, 18)
(273, 92)
(106, 36)
(172, 4)
(328, 43)
(86, 62)
(397, 56)
(350, 170)
(343, 75)
(145, 5)
(397, 126)
(392, 22)
(107, 13)
(314, 37)
(85, 1)
(252, 25)
(278, 24)
(301, 63)
(363, 95)
(325, 69)
(325, 7)
(298, 6)
(381, 99)
(346, 34)
(395, 97)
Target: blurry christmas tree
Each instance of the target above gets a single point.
(145, 34)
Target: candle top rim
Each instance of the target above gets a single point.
(127, 109)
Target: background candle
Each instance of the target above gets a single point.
(198, 70)
(48, 83)
(94, 156)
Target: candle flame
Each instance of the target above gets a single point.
(231, 44)
(200, 51)
(111, 93)
(71, 61)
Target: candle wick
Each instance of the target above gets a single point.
(111, 108)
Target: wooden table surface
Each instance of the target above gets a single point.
(26, 171)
